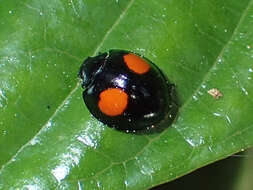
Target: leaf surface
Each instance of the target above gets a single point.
(48, 139)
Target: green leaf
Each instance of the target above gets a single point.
(48, 139)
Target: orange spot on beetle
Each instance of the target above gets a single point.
(113, 101)
(136, 63)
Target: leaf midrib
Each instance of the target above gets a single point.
(117, 21)
(208, 73)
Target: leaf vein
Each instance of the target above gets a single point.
(71, 92)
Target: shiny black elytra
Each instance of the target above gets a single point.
(149, 100)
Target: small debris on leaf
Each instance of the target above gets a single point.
(215, 93)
